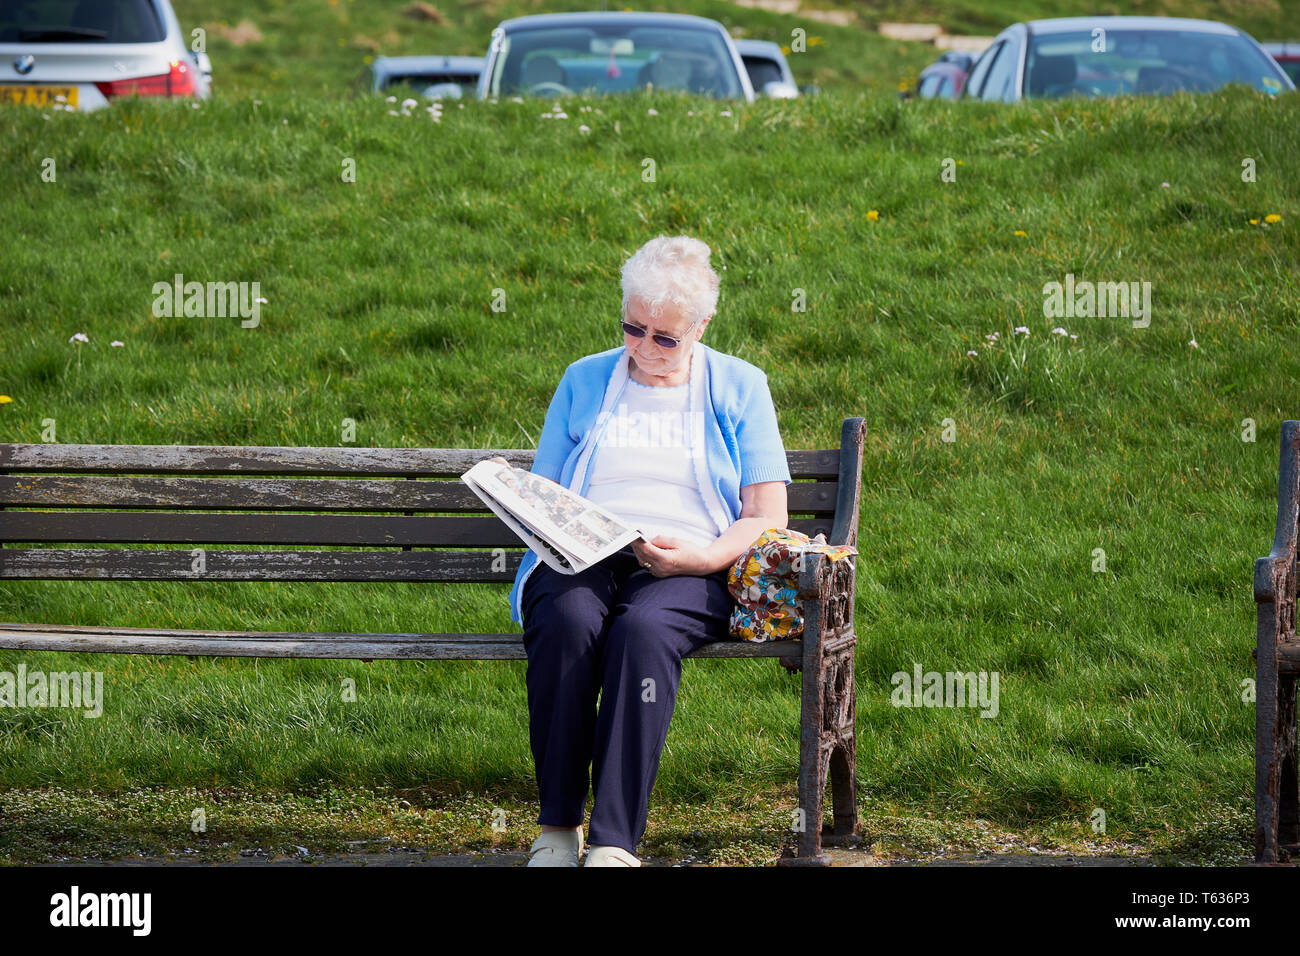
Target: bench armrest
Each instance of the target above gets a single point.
(1275, 574)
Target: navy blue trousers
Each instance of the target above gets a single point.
(618, 631)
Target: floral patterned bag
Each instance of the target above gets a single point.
(765, 584)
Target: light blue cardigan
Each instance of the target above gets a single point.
(741, 439)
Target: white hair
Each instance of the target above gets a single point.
(672, 271)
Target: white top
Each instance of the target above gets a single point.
(642, 468)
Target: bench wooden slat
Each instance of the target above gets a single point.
(271, 460)
(182, 527)
(174, 564)
(358, 646)
(295, 494)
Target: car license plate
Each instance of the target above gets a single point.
(38, 95)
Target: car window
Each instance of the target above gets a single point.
(982, 68)
(613, 58)
(78, 21)
(1144, 61)
(761, 71)
(1001, 81)
(1292, 68)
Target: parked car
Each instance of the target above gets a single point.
(1287, 56)
(453, 77)
(945, 78)
(768, 69)
(82, 55)
(1114, 56)
(554, 54)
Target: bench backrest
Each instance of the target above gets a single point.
(375, 510)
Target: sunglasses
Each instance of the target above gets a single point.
(663, 341)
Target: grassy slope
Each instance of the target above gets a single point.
(1119, 690)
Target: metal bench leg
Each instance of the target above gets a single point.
(1288, 811)
(827, 733)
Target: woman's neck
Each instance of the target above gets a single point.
(677, 377)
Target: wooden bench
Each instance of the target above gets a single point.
(1277, 667)
(416, 530)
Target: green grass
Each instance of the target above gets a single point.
(1119, 690)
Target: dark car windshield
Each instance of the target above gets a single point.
(762, 71)
(610, 58)
(79, 21)
(1115, 62)
(1292, 68)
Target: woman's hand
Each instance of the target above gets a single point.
(667, 556)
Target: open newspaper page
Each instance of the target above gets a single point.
(566, 530)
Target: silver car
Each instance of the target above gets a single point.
(768, 69)
(555, 54)
(1115, 56)
(80, 54)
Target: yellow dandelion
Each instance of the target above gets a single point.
(873, 215)
(1272, 217)
(960, 163)
(1254, 222)
(1021, 233)
(5, 399)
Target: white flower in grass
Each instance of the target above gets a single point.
(725, 113)
(1020, 330)
(1164, 185)
(1074, 337)
(260, 300)
(1193, 344)
(652, 112)
(584, 129)
(79, 337)
(394, 113)
(972, 353)
(409, 104)
(391, 99)
(1059, 331)
(991, 337)
(116, 344)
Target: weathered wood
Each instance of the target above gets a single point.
(284, 644)
(223, 564)
(1277, 791)
(187, 527)
(323, 461)
(292, 494)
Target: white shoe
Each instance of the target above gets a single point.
(610, 856)
(556, 848)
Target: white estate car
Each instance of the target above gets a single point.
(83, 53)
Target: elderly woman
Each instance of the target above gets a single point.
(680, 441)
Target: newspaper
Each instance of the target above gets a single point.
(566, 530)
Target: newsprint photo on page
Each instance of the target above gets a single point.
(566, 530)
